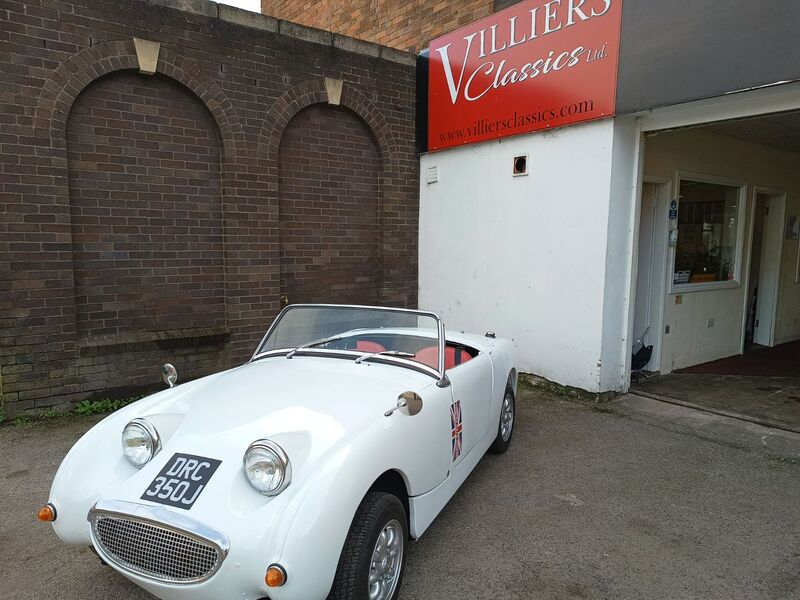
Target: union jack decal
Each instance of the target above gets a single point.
(456, 427)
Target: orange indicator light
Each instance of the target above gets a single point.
(276, 576)
(47, 513)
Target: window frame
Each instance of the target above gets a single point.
(741, 215)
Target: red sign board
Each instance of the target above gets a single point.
(536, 65)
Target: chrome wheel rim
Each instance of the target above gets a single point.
(387, 559)
(507, 418)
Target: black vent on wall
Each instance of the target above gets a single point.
(422, 102)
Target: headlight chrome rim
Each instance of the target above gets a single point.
(279, 452)
(149, 429)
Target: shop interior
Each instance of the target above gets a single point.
(717, 297)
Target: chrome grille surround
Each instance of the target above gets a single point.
(156, 543)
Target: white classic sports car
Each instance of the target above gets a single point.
(300, 475)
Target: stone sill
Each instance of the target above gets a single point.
(174, 338)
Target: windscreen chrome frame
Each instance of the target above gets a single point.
(439, 374)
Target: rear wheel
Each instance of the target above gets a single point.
(373, 558)
(505, 428)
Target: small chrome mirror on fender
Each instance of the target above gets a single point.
(408, 403)
(169, 374)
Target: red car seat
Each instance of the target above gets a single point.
(367, 346)
(453, 356)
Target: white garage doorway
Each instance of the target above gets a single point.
(769, 210)
(648, 309)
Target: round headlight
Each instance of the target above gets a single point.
(140, 442)
(267, 467)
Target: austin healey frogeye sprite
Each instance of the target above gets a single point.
(300, 475)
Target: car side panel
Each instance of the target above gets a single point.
(471, 385)
(425, 507)
(315, 526)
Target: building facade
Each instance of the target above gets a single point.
(669, 218)
(164, 190)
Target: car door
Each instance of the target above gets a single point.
(426, 441)
(470, 412)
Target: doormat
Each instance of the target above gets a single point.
(778, 361)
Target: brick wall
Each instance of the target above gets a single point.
(147, 218)
(406, 25)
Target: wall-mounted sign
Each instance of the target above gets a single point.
(536, 65)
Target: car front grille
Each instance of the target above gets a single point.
(154, 550)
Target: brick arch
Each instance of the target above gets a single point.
(313, 92)
(77, 72)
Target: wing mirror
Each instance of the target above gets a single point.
(408, 403)
(169, 374)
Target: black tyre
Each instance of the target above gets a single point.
(505, 428)
(374, 555)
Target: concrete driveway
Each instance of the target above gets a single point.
(636, 501)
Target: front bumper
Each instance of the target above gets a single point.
(173, 556)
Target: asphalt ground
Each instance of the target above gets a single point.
(634, 500)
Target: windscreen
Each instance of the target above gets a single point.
(404, 334)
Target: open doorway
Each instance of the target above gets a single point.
(648, 306)
(769, 207)
(729, 337)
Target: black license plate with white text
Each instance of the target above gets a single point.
(181, 481)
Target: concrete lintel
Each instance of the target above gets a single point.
(147, 53)
(357, 46)
(247, 18)
(398, 56)
(308, 34)
(197, 7)
(334, 89)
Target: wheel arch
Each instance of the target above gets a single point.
(393, 482)
(513, 378)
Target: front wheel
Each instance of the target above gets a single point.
(373, 558)
(505, 428)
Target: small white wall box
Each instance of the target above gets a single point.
(520, 165)
(433, 175)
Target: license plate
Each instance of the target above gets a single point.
(181, 481)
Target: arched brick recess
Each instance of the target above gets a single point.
(144, 210)
(329, 208)
(390, 201)
(51, 115)
(146, 213)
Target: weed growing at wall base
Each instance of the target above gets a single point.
(96, 407)
(82, 409)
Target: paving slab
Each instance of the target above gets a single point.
(771, 400)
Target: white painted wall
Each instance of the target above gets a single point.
(690, 341)
(526, 257)
(547, 259)
(621, 254)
